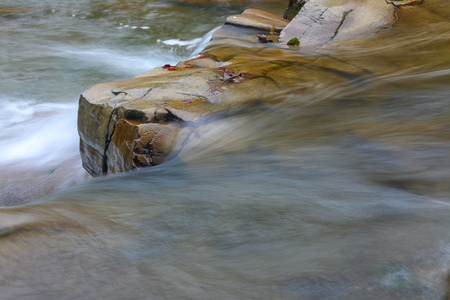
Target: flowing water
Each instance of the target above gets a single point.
(337, 191)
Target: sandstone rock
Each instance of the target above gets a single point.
(258, 19)
(111, 117)
(321, 21)
(135, 122)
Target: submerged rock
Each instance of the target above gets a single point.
(15, 11)
(221, 2)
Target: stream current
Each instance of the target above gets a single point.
(340, 193)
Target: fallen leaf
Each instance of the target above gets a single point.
(169, 67)
(272, 30)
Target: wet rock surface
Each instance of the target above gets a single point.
(34, 184)
(258, 19)
(322, 21)
(135, 122)
(13, 11)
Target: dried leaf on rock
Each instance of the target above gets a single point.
(272, 30)
(169, 67)
(178, 67)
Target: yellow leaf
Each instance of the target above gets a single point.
(272, 30)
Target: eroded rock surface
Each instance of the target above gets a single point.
(135, 122)
(321, 21)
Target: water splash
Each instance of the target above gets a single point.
(197, 44)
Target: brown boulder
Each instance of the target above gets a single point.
(134, 122)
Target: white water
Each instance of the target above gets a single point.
(50, 135)
(14, 111)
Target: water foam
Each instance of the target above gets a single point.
(131, 63)
(197, 45)
(14, 111)
(48, 135)
(205, 40)
(189, 44)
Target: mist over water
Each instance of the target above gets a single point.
(333, 190)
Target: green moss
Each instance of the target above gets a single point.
(293, 42)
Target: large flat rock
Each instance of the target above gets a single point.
(136, 122)
(258, 19)
(133, 123)
(321, 21)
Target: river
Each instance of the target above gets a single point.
(341, 192)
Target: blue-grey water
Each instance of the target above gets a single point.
(340, 191)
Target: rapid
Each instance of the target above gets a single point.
(335, 191)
